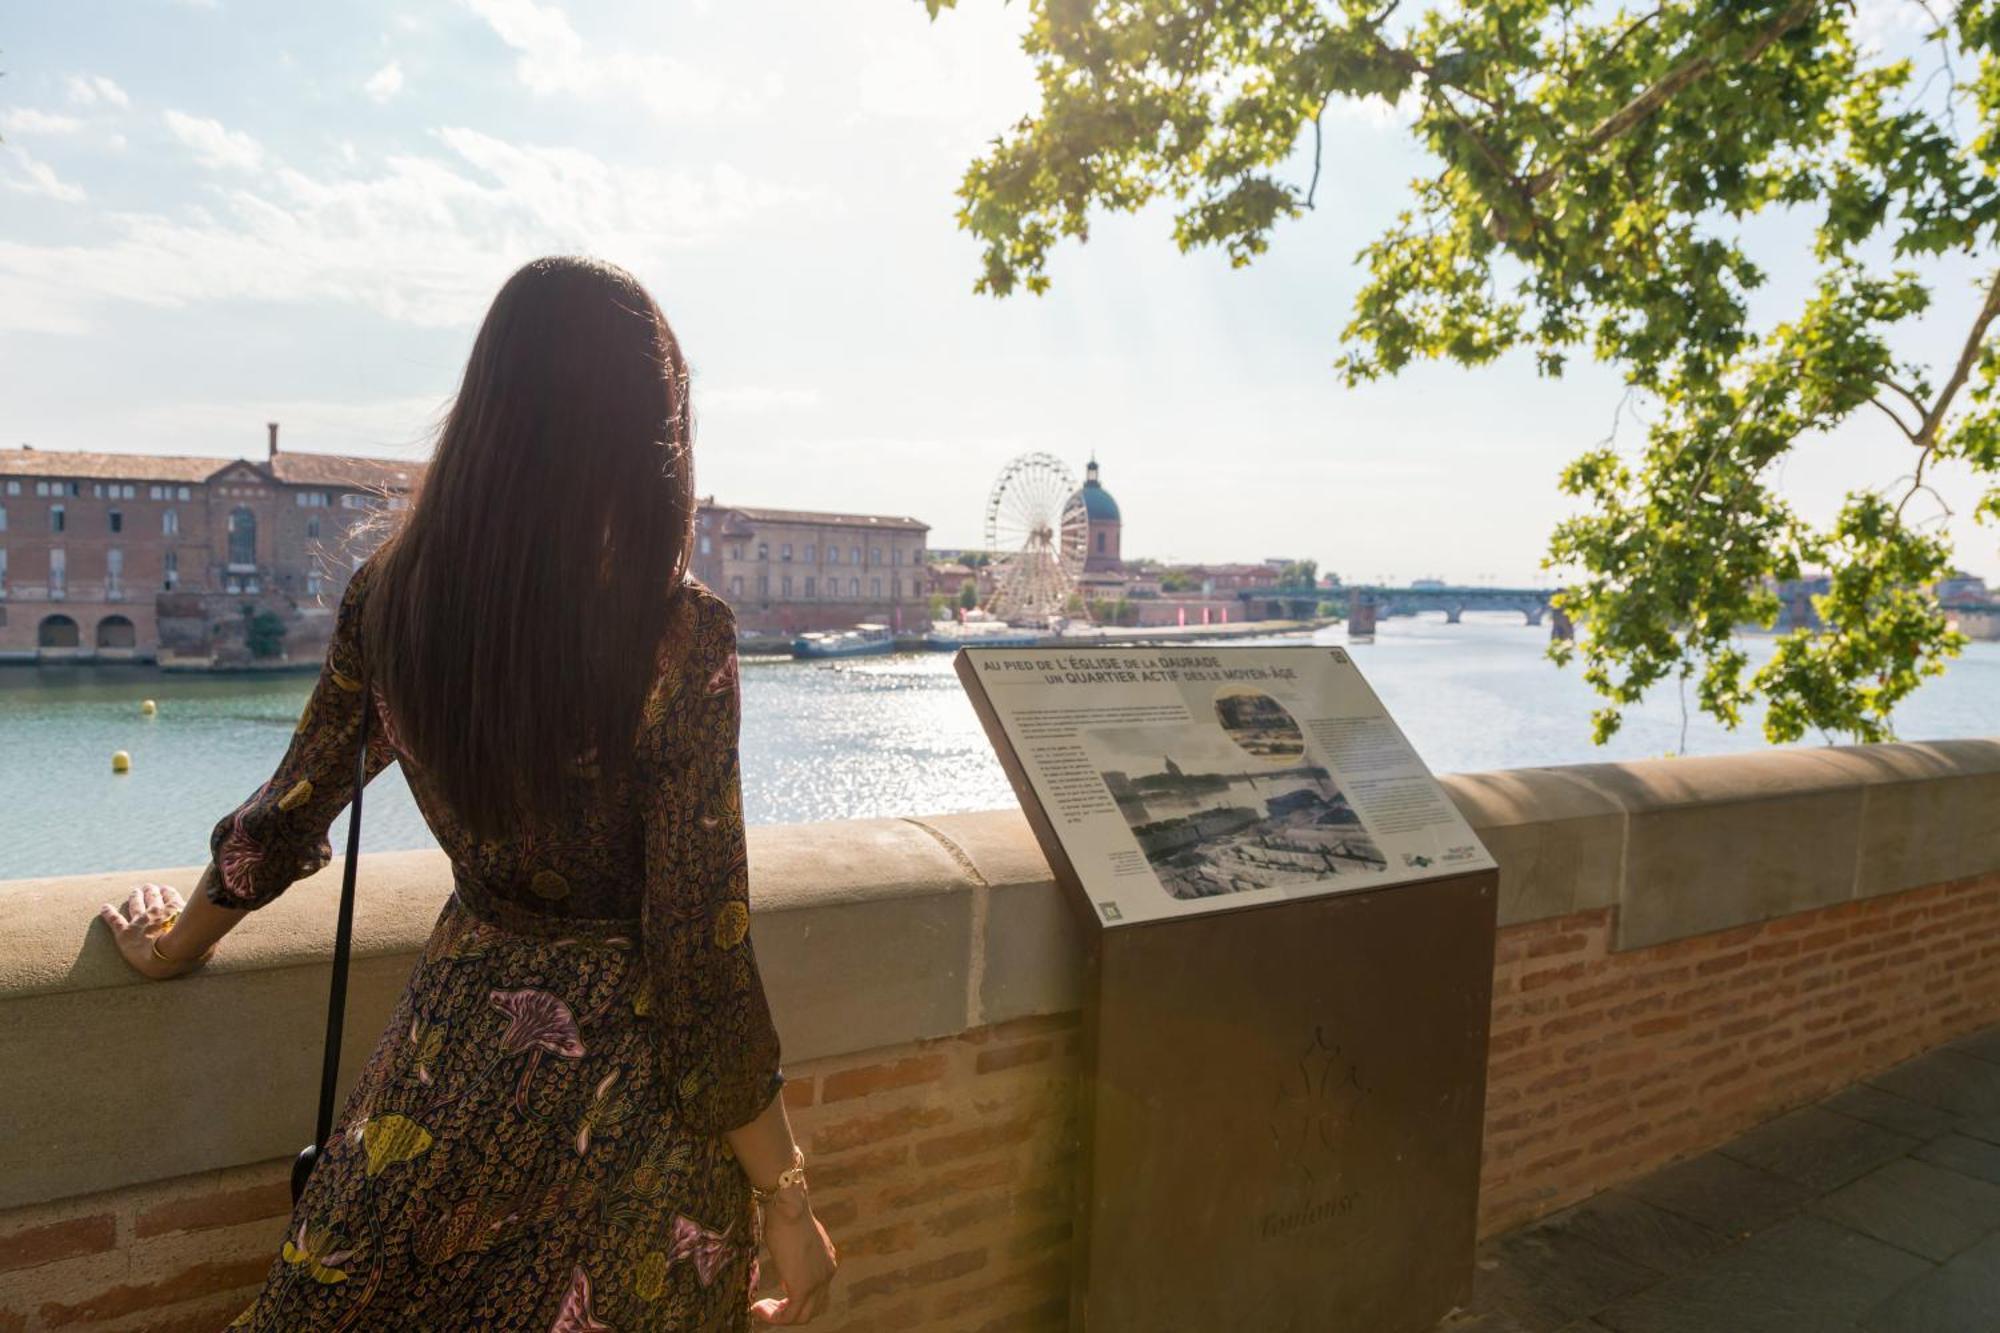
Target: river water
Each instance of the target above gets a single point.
(874, 736)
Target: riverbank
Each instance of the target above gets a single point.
(169, 666)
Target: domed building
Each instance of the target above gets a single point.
(1102, 556)
(1103, 566)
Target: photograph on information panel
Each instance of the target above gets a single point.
(1187, 780)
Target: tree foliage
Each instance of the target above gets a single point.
(1596, 174)
(263, 633)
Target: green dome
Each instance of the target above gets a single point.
(1097, 501)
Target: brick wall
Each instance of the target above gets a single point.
(943, 1172)
(941, 1167)
(175, 1256)
(1604, 1065)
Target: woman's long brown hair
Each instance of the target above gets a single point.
(514, 620)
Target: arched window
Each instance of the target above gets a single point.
(116, 632)
(242, 537)
(1100, 543)
(57, 632)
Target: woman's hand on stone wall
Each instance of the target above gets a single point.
(136, 927)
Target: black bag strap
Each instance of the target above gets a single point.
(343, 947)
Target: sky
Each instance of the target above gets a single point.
(217, 213)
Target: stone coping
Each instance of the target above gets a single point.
(876, 932)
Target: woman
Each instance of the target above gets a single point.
(571, 1122)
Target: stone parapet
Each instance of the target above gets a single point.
(1686, 946)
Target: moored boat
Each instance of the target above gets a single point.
(980, 630)
(950, 639)
(861, 641)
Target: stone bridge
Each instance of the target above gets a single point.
(1368, 604)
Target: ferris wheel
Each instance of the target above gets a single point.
(1039, 534)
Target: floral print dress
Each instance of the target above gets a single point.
(535, 1143)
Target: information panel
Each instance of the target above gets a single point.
(1181, 780)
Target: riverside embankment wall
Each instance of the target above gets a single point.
(1686, 947)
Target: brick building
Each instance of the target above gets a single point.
(137, 556)
(788, 570)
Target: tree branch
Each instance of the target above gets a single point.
(1631, 28)
(1675, 79)
(1926, 437)
(1908, 397)
(1318, 136)
(1889, 412)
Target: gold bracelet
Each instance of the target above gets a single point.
(153, 945)
(793, 1175)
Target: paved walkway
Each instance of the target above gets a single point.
(1876, 1211)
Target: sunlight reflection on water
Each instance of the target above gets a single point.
(875, 736)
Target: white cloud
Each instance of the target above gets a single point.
(1883, 22)
(752, 399)
(425, 240)
(1376, 113)
(96, 90)
(912, 76)
(32, 306)
(29, 120)
(385, 82)
(32, 176)
(214, 145)
(552, 57)
(396, 427)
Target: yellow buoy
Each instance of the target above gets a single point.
(121, 762)
(147, 708)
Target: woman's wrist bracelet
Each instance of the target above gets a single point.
(795, 1174)
(158, 957)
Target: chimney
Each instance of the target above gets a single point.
(272, 426)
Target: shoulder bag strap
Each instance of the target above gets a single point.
(343, 947)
